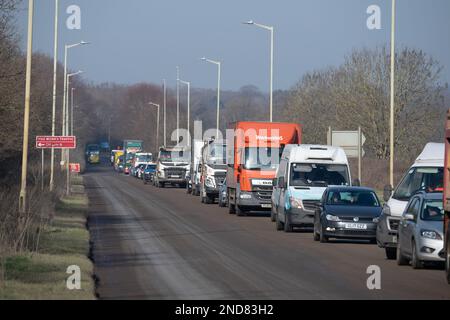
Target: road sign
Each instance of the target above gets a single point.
(351, 141)
(57, 142)
(75, 167)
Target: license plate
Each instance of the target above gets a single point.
(174, 176)
(266, 205)
(394, 239)
(358, 226)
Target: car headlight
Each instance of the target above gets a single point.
(330, 217)
(245, 196)
(376, 220)
(295, 203)
(210, 182)
(430, 234)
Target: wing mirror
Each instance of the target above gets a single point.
(409, 217)
(387, 192)
(281, 183)
(356, 183)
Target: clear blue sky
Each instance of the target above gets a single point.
(143, 40)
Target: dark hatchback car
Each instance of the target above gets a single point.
(347, 212)
(149, 172)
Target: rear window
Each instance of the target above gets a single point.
(353, 198)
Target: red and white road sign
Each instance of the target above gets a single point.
(74, 167)
(57, 142)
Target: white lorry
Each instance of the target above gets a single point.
(193, 178)
(213, 170)
(172, 166)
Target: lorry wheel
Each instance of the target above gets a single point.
(415, 262)
(161, 185)
(391, 253)
(240, 212)
(401, 259)
(447, 265)
(231, 207)
(272, 215)
(316, 235)
(278, 223)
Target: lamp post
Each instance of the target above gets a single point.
(165, 102)
(219, 67)
(391, 153)
(26, 118)
(55, 66)
(157, 122)
(67, 132)
(178, 105)
(188, 108)
(66, 49)
(71, 112)
(270, 28)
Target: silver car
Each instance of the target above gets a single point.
(420, 232)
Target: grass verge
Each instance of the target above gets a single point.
(63, 243)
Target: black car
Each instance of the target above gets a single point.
(347, 212)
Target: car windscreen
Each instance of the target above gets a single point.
(318, 175)
(432, 210)
(144, 158)
(150, 167)
(174, 156)
(420, 178)
(257, 158)
(353, 198)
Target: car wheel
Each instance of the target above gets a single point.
(239, 211)
(231, 207)
(323, 238)
(287, 225)
(391, 253)
(161, 185)
(316, 235)
(415, 262)
(278, 223)
(401, 259)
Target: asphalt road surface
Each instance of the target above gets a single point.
(151, 243)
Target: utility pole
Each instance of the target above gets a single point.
(55, 66)
(26, 118)
(165, 102)
(391, 158)
(178, 105)
(188, 84)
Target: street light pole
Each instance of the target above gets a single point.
(64, 123)
(178, 104)
(271, 29)
(219, 67)
(55, 66)
(391, 153)
(26, 118)
(165, 102)
(188, 108)
(71, 113)
(157, 123)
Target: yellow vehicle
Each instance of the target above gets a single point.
(93, 154)
(115, 155)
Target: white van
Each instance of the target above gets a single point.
(305, 171)
(425, 174)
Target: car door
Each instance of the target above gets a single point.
(408, 226)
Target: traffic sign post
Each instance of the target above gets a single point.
(56, 142)
(351, 141)
(74, 167)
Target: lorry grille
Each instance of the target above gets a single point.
(311, 205)
(219, 179)
(175, 172)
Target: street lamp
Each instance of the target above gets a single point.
(391, 153)
(26, 117)
(164, 106)
(66, 48)
(270, 28)
(157, 122)
(67, 131)
(188, 107)
(219, 66)
(55, 66)
(178, 104)
(71, 112)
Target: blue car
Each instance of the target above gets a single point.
(149, 172)
(347, 212)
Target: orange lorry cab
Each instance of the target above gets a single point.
(446, 199)
(253, 155)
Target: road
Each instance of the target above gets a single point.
(151, 243)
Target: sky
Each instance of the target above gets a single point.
(144, 40)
